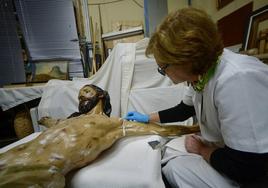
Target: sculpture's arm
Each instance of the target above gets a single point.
(136, 128)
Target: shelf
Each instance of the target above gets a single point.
(122, 34)
(262, 56)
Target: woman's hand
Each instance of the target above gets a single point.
(136, 116)
(194, 144)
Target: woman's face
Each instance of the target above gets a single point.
(178, 74)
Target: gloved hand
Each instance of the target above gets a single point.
(136, 116)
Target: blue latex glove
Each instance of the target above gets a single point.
(136, 116)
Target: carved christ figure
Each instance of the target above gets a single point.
(73, 143)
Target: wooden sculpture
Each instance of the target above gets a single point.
(72, 143)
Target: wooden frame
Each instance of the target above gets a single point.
(46, 70)
(251, 34)
(222, 3)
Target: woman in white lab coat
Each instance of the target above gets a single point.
(228, 93)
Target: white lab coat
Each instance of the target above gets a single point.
(235, 104)
(234, 113)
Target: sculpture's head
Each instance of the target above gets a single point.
(93, 98)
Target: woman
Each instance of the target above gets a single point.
(228, 94)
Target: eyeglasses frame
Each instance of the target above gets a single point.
(162, 70)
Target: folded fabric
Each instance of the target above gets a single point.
(130, 163)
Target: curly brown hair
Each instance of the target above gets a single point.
(186, 37)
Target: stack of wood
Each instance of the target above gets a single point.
(261, 47)
(263, 41)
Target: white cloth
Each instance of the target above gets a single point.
(158, 101)
(130, 163)
(155, 99)
(11, 97)
(235, 104)
(187, 170)
(61, 99)
(130, 79)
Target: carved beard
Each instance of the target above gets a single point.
(87, 105)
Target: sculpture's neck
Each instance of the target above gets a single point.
(98, 109)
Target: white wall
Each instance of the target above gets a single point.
(126, 10)
(176, 4)
(210, 6)
(206, 5)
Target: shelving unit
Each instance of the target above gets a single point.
(121, 34)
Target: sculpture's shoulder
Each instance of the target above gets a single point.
(91, 120)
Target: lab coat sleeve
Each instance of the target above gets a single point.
(241, 103)
(181, 112)
(188, 96)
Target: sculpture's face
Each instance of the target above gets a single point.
(88, 98)
(87, 93)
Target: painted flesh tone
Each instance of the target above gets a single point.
(70, 144)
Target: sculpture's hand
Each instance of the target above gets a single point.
(43, 120)
(136, 116)
(48, 121)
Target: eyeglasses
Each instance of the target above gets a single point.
(162, 70)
